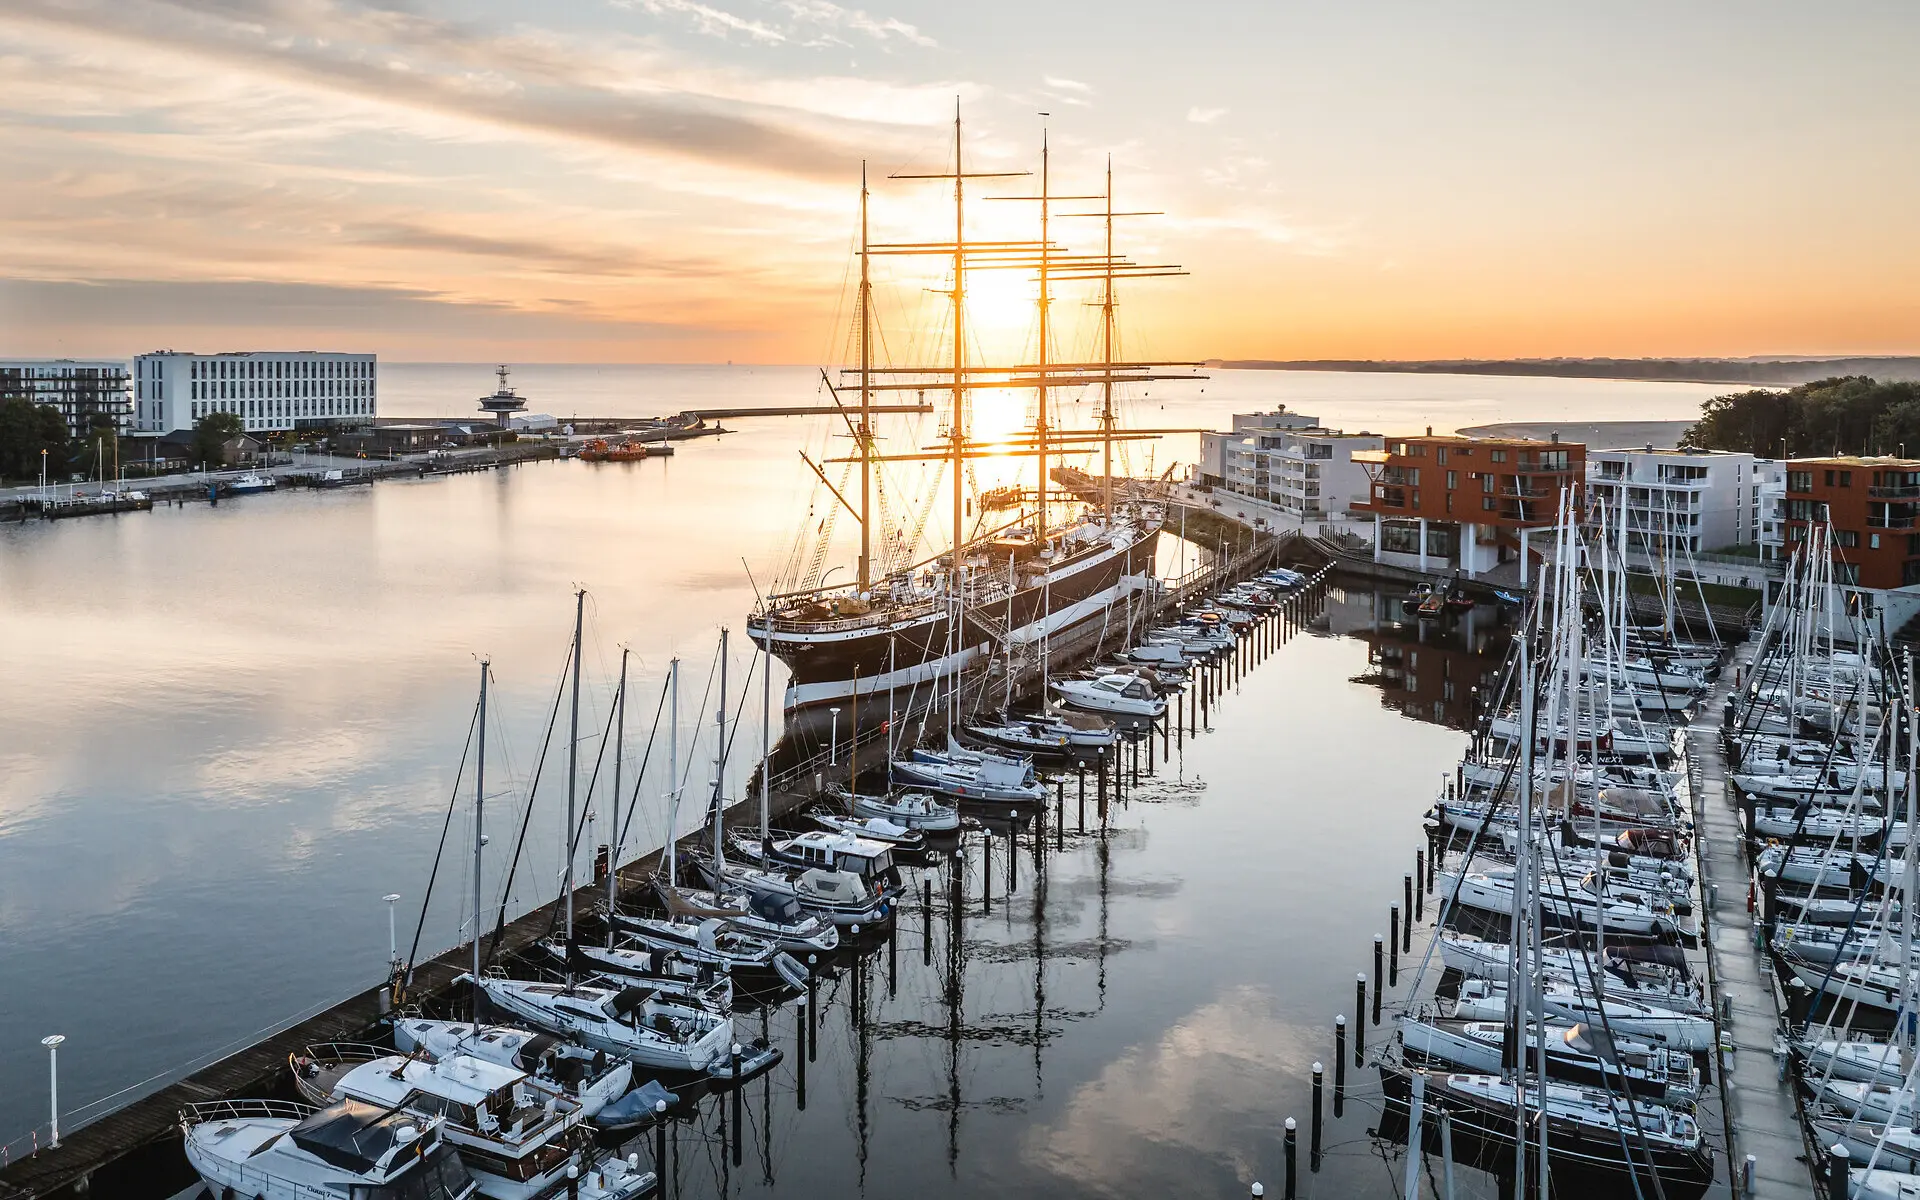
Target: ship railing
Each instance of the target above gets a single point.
(203, 1111)
(882, 612)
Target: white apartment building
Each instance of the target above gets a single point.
(268, 390)
(83, 389)
(1677, 501)
(1287, 460)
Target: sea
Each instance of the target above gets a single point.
(230, 731)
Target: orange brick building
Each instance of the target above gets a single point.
(1464, 503)
(1871, 503)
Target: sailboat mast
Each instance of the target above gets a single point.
(573, 752)
(673, 772)
(479, 826)
(613, 834)
(1106, 356)
(1040, 413)
(866, 401)
(720, 755)
(766, 736)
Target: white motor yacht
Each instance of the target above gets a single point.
(283, 1151)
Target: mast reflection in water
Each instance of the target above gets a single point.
(1072, 1006)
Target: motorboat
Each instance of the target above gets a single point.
(779, 919)
(285, 1151)
(249, 484)
(1117, 694)
(872, 829)
(915, 810)
(841, 897)
(590, 1078)
(509, 1128)
(636, 1022)
(713, 941)
(829, 849)
(1026, 737)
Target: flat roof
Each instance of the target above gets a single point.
(1461, 439)
(1854, 460)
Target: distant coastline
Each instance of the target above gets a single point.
(1783, 372)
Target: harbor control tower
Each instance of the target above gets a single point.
(504, 402)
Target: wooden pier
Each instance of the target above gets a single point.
(1758, 1097)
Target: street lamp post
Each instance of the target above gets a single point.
(833, 743)
(52, 1043)
(393, 941)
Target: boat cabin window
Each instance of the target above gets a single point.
(441, 1176)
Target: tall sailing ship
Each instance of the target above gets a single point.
(1001, 590)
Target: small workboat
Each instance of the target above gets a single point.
(250, 483)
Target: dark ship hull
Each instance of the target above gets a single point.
(901, 648)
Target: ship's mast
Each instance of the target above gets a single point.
(1040, 413)
(959, 424)
(1106, 360)
(865, 434)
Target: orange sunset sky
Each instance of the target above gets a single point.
(677, 180)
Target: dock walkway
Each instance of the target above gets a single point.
(1760, 1107)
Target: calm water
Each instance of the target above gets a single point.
(232, 730)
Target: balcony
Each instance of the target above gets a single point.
(1890, 523)
(1527, 493)
(1904, 491)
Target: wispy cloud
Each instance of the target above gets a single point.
(1067, 85)
(829, 15)
(714, 22)
(1205, 116)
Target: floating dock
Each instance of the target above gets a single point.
(1758, 1097)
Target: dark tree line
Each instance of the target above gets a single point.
(1849, 414)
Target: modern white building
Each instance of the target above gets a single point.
(1288, 460)
(268, 390)
(83, 389)
(1677, 502)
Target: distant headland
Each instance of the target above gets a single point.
(1765, 370)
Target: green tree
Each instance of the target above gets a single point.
(26, 429)
(1849, 414)
(210, 435)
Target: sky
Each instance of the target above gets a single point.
(678, 180)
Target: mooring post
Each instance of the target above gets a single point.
(812, 1004)
(1379, 972)
(926, 922)
(660, 1136)
(1359, 1025)
(1420, 894)
(1292, 1138)
(1393, 947)
(1313, 1149)
(739, 1090)
(1408, 907)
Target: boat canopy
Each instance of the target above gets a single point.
(354, 1136)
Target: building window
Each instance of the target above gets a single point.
(1800, 481)
(1486, 502)
(1846, 572)
(1910, 572)
(1453, 480)
(1846, 479)
(1499, 455)
(1873, 541)
(1846, 538)
(1440, 454)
